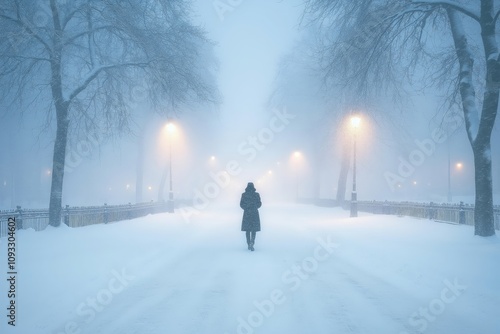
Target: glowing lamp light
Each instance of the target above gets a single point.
(355, 122)
(459, 165)
(171, 127)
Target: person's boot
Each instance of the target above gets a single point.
(249, 241)
(252, 242)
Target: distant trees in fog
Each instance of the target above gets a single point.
(90, 61)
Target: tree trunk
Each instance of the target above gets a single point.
(479, 128)
(344, 172)
(483, 212)
(55, 205)
(62, 109)
(484, 220)
(161, 187)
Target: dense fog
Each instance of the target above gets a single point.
(275, 125)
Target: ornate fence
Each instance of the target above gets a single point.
(453, 213)
(80, 216)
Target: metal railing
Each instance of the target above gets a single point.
(80, 216)
(452, 213)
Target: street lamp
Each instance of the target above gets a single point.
(458, 167)
(355, 122)
(297, 155)
(449, 198)
(171, 130)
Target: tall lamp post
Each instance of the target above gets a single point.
(297, 155)
(171, 130)
(449, 197)
(458, 166)
(355, 121)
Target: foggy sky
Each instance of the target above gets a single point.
(250, 42)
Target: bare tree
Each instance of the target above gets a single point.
(298, 89)
(325, 107)
(86, 56)
(372, 45)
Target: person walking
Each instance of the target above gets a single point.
(250, 203)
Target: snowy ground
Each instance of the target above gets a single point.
(314, 271)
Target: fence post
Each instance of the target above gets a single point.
(385, 208)
(461, 213)
(105, 213)
(66, 215)
(432, 211)
(19, 218)
(129, 210)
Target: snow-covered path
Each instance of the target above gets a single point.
(314, 271)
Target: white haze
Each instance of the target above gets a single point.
(251, 41)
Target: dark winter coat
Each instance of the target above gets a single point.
(250, 202)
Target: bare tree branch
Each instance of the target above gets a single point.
(98, 71)
(451, 4)
(27, 28)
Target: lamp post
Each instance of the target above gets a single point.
(171, 130)
(450, 198)
(458, 166)
(355, 121)
(297, 155)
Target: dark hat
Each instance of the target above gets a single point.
(250, 187)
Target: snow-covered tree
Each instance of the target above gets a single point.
(87, 56)
(371, 45)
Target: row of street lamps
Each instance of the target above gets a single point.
(355, 122)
